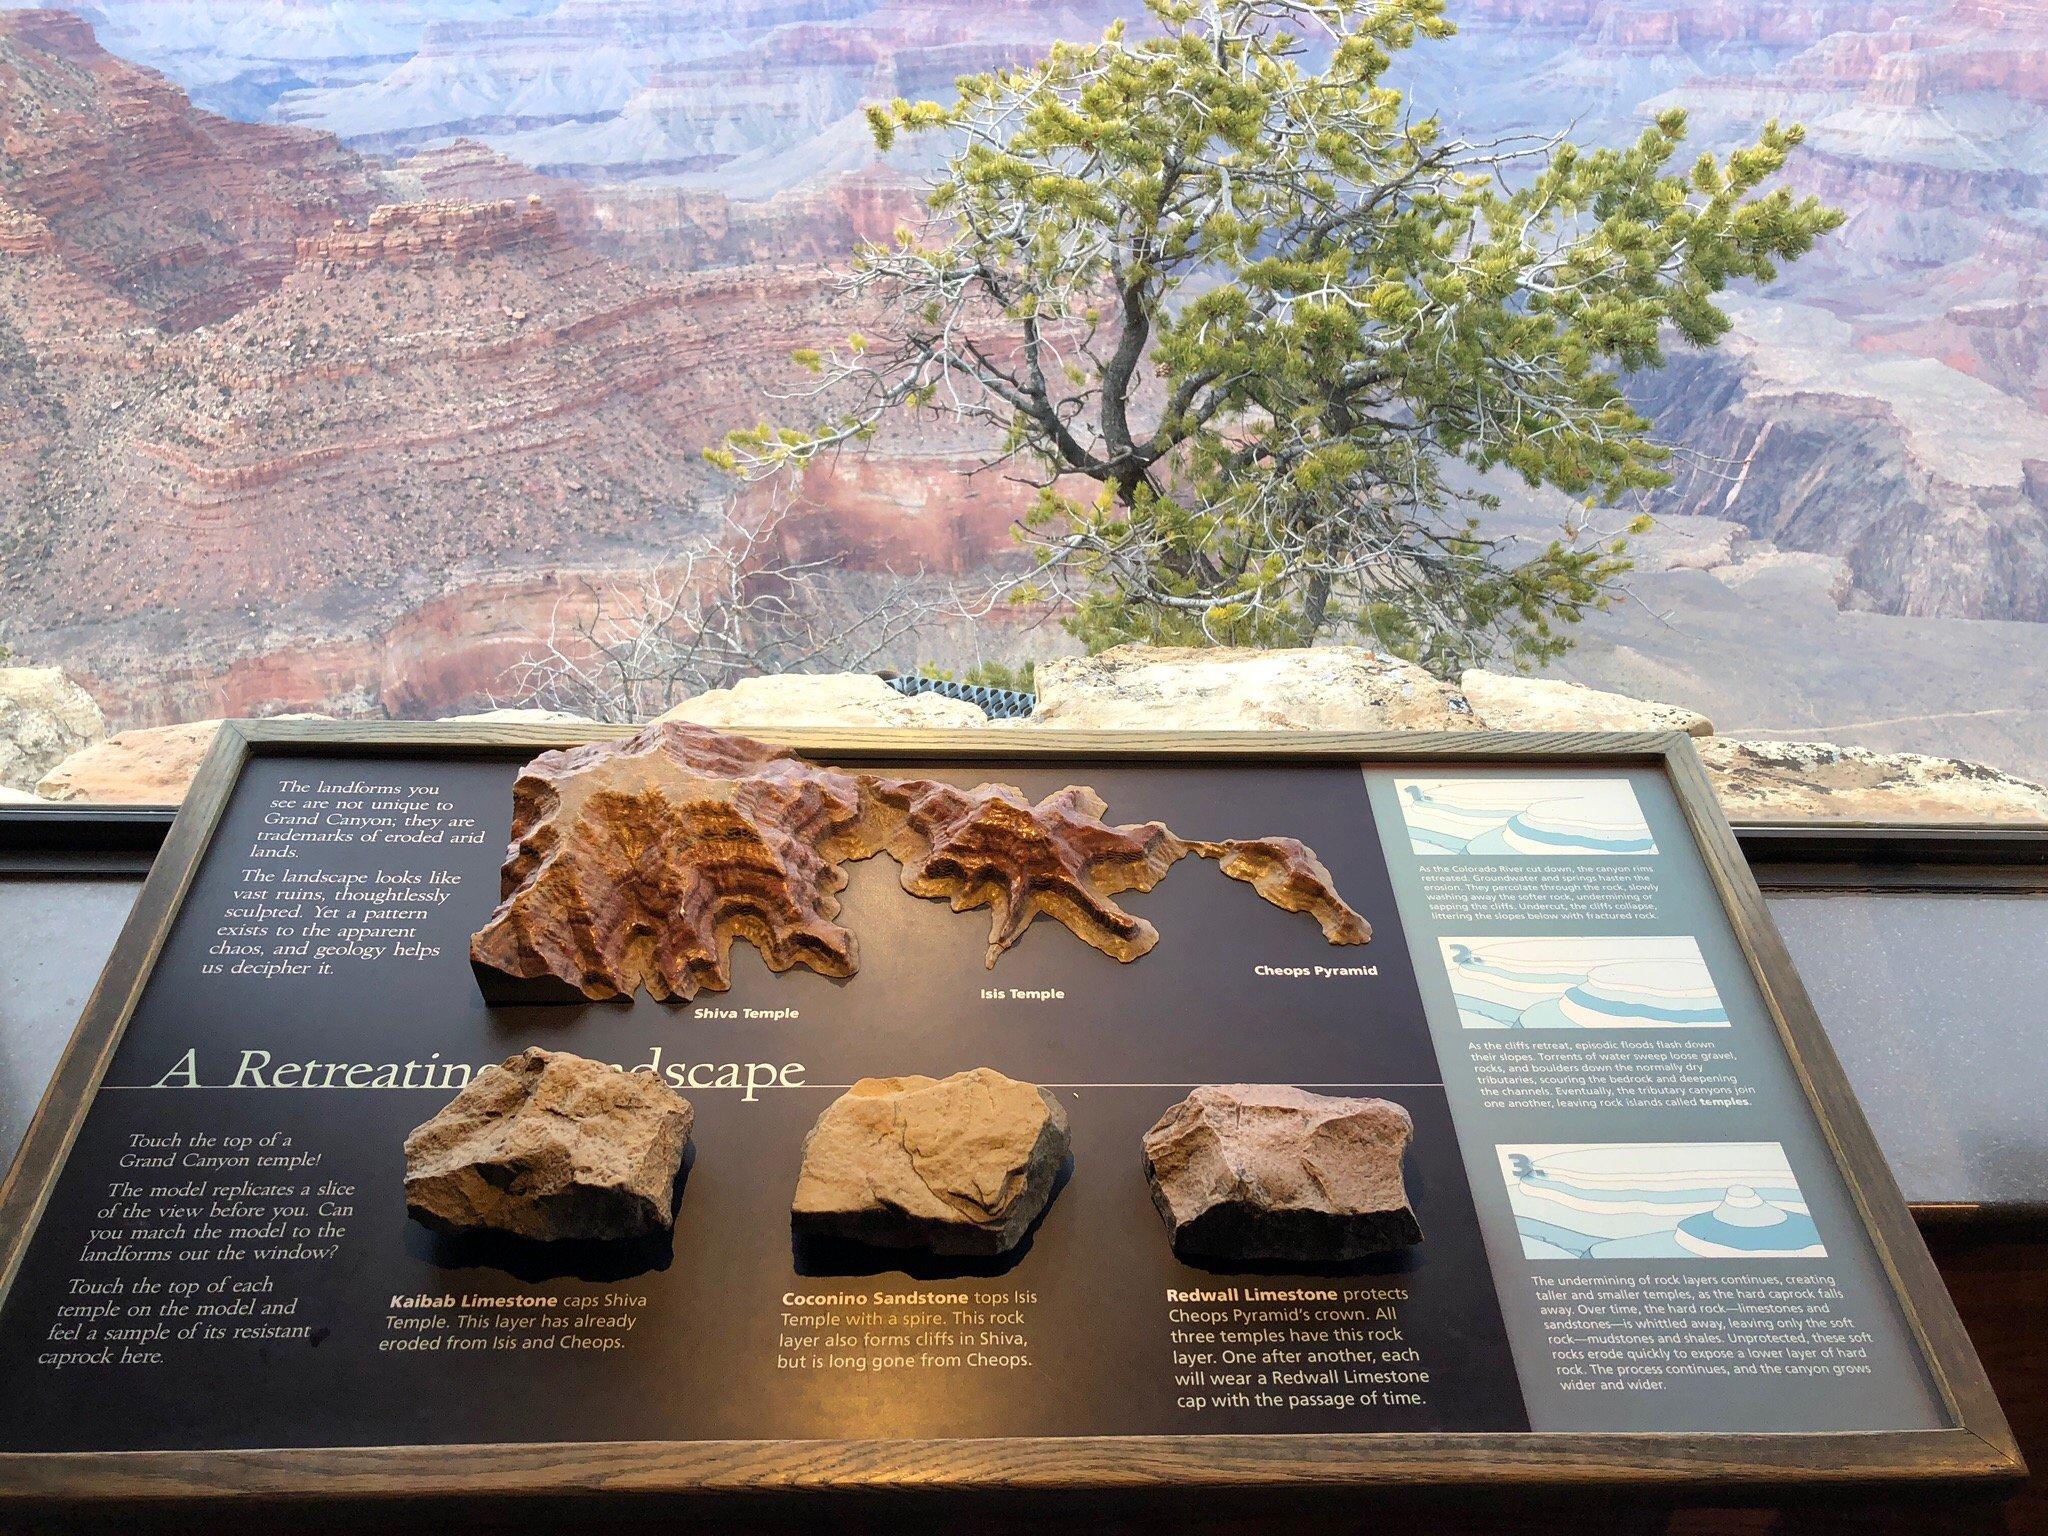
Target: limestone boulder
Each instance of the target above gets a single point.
(522, 717)
(1505, 702)
(1316, 688)
(19, 797)
(1814, 780)
(1263, 1172)
(44, 718)
(958, 1165)
(553, 1147)
(153, 766)
(795, 700)
(150, 766)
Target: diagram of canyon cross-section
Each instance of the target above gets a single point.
(1656, 1200)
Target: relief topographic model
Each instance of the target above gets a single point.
(636, 864)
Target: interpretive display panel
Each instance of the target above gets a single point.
(1439, 1116)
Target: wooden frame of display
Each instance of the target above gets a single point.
(1978, 1448)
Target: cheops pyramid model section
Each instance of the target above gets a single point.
(1582, 983)
(1651, 1200)
(1524, 817)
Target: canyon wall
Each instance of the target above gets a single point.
(413, 404)
(304, 409)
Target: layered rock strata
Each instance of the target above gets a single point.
(961, 1165)
(637, 864)
(552, 1147)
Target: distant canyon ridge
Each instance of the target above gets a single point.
(343, 344)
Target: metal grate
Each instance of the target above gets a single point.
(996, 703)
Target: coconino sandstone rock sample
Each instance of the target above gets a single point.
(44, 718)
(638, 863)
(959, 1165)
(1256, 1172)
(551, 1146)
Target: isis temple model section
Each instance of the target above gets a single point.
(635, 864)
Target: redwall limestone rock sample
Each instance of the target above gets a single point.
(550, 1146)
(1265, 1172)
(637, 863)
(958, 1165)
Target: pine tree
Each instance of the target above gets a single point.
(1258, 332)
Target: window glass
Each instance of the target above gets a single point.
(59, 933)
(362, 358)
(1937, 1005)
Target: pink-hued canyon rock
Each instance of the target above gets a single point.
(283, 465)
(1133, 688)
(1264, 1172)
(147, 767)
(961, 1165)
(552, 1147)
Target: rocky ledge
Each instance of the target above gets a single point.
(44, 718)
(1144, 688)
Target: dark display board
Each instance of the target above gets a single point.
(1658, 1245)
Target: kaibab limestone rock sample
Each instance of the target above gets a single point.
(958, 1165)
(637, 864)
(1251, 1172)
(550, 1146)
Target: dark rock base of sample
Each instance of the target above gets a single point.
(959, 1166)
(1265, 1173)
(551, 1147)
